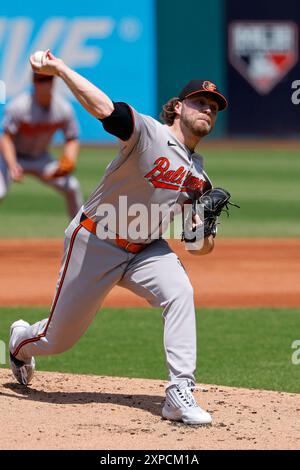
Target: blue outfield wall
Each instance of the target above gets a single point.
(144, 51)
(112, 43)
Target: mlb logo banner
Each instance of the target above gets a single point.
(263, 52)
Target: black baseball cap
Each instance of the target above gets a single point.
(204, 86)
(41, 77)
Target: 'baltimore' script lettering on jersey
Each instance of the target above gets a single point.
(180, 179)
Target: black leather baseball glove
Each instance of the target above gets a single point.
(209, 206)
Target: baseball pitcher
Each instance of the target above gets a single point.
(156, 164)
(30, 122)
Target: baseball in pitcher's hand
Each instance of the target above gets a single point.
(50, 64)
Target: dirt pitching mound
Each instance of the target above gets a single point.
(239, 273)
(64, 411)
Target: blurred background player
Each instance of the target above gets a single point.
(30, 121)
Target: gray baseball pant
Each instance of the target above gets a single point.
(68, 186)
(90, 269)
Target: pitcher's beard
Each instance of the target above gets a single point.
(200, 130)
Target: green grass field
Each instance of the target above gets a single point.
(244, 348)
(264, 182)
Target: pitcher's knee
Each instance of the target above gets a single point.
(186, 291)
(182, 291)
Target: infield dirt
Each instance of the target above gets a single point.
(63, 411)
(238, 273)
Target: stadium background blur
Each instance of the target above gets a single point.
(144, 52)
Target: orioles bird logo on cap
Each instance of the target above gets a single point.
(209, 86)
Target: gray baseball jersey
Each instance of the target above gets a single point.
(32, 126)
(153, 166)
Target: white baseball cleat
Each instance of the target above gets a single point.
(180, 405)
(23, 371)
